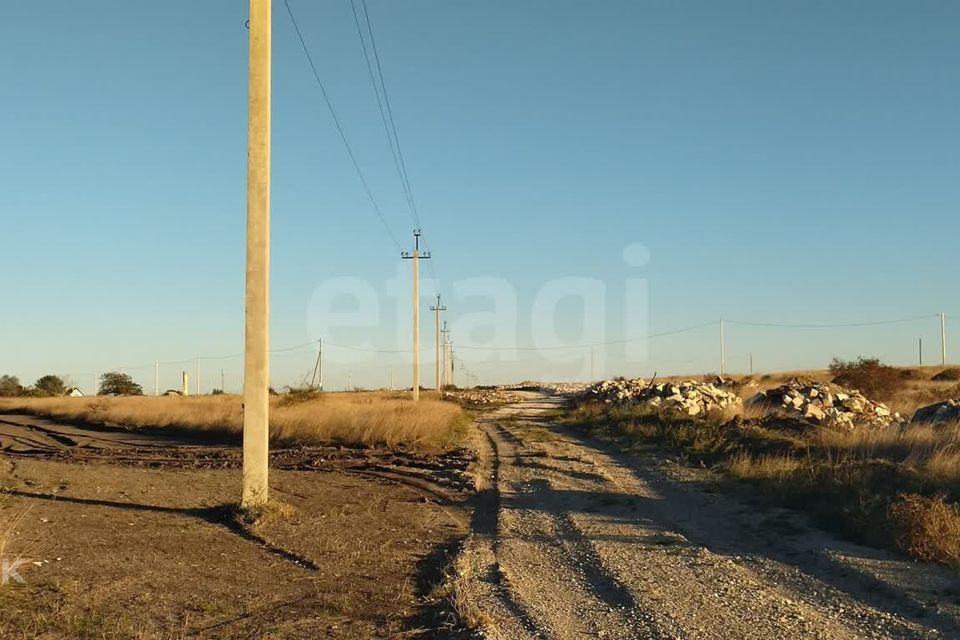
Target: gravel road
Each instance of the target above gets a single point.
(572, 539)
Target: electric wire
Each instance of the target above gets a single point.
(339, 127)
(811, 325)
(390, 125)
(380, 105)
(393, 126)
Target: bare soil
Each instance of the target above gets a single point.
(132, 534)
(574, 539)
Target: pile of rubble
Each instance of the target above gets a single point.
(948, 411)
(689, 397)
(826, 404)
(565, 388)
(496, 395)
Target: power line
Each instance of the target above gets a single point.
(336, 122)
(393, 126)
(389, 123)
(380, 101)
(596, 344)
(799, 325)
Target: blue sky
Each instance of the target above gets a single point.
(781, 161)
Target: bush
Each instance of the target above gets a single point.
(927, 528)
(869, 376)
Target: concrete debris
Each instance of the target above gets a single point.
(494, 395)
(564, 388)
(948, 411)
(826, 404)
(689, 397)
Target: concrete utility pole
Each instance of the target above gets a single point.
(156, 379)
(223, 381)
(920, 345)
(438, 308)
(184, 383)
(415, 256)
(444, 345)
(722, 349)
(450, 350)
(943, 339)
(318, 368)
(256, 346)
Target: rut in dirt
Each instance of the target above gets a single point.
(573, 539)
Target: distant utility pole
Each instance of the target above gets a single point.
(722, 348)
(445, 346)
(95, 376)
(318, 368)
(920, 344)
(452, 383)
(256, 345)
(156, 379)
(415, 256)
(438, 308)
(223, 381)
(751, 363)
(943, 339)
(391, 377)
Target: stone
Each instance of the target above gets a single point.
(826, 404)
(947, 411)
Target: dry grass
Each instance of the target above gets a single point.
(776, 467)
(914, 443)
(374, 418)
(928, 528)
(896, 487)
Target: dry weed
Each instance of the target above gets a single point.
(764, 467)
(369, 418)
(927, 528)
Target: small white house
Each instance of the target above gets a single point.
(73, 392)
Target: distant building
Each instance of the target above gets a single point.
(73, 392)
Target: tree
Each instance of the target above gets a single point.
(51, 385)
(10, 386)
(114, 383)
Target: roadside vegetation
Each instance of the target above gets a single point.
(896, 487)
(298, 417)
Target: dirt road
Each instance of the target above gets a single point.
(572, 539)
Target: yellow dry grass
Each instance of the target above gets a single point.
(928, 528)
(763, 467)
(373, 418)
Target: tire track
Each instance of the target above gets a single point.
(540, 570)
